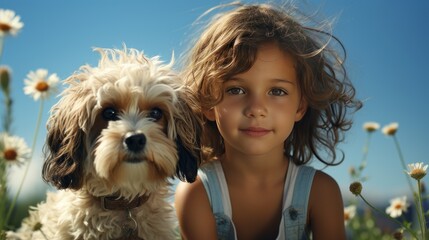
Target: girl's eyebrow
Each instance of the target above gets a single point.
(235, 79)
(274, 80)
(280, 80)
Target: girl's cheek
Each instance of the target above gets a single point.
(232, 101)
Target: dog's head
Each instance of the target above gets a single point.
(129, 121)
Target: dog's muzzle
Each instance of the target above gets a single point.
(135, 142)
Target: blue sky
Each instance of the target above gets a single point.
(387, 44)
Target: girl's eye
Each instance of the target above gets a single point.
(235, 91)
(155, 114)
(110, 114)
(278, 92)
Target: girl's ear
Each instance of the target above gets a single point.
(302, 109)
(210, 114)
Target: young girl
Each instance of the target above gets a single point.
(274, 96)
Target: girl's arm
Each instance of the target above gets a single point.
(194, 213)
(326, 209)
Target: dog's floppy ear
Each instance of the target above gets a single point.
(64, 148)
(188, 126)
(187, 166)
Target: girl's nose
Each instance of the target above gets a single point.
(255, 108)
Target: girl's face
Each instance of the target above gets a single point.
(260, 106)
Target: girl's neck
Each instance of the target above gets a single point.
(261, 169)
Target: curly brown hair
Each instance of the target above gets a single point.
(228, 47)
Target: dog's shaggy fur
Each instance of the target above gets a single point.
(122, 129)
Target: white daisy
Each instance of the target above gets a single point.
(397, 206)
(371, 126)
(13, 150)
(10, 24)
(390, 129)
(417, 170)
(40, 85)
(349, 213)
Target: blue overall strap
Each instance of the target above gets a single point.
(211, 183)
(208, 176)
(295, 216)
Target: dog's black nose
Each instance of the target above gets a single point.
(135, 142)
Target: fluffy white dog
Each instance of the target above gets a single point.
(120, 132)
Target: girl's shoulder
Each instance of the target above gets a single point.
(189, 192)
(324, 188)
(193, 211)
(322, 178)
(326, 200)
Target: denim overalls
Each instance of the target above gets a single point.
(295, 201)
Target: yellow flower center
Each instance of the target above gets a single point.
(417, 173)
(371, 128)
(5, 27)
(346, 216)
(42, 86)
(397, 206)
(391, 131)
(10, 154)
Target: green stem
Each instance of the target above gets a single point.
(7, 101)
(1, 47)
(417, 202)
(36, 132)
(366, 149)
(365, 155)
(3, 194)
(8, 115)
(404, 166)
(389, 217)
(421, 213)
(357, 175)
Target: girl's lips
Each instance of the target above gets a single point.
(255, 131)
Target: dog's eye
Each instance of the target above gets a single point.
(155, 114)
(110, 114)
